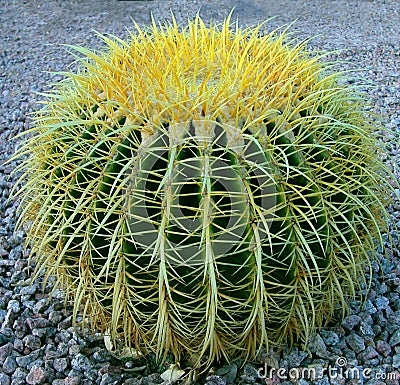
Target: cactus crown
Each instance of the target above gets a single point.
(204, 189)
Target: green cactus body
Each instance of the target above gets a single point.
(204, 190)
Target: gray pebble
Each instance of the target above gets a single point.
(383, 347)
(366, 330)
(9, 365)
(374, 381)
(14, 306)
(39, 363)
(26, 360)
(250, 374)
(18, 345)
(355, 342)
(3, 314)
(40, 306)
(387, 265)
(101, 355)
(316, 344)
(395, 338)
(74, 349)
(330, 337)
(215, 380)
(91, 374)
(55, 317)
(7, 323)
(35, 323)
(32, 342)
(19, 376)
(58, 382)
(322, 381)
(72, 380)
(337, 380)
(108, 379)
(396, 361)
(63, 336)
(368, 354)
(80, 363)
(36, 376)
(351, 321)
(4, 379)
(369, 307)
(302, 381)
(28, 290)
(5, 351)
(382, 303)
(41, 332)
(3, 339)
(60, 364)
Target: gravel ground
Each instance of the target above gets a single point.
(37, 342)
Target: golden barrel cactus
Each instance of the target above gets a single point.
(206, 190)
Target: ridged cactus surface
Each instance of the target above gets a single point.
(204, 190)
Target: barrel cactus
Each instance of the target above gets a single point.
(204, 190)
